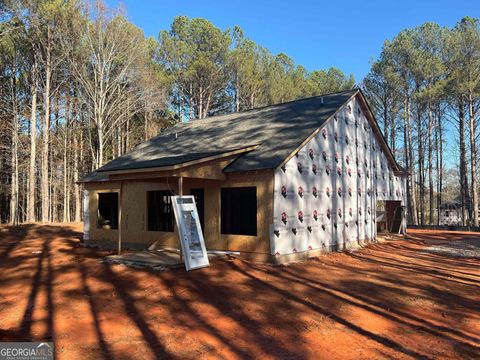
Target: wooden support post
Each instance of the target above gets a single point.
(120, 218)
(180, 185)
(180, 193)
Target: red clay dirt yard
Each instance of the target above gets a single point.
(398, 299)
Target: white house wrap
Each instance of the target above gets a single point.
(325, 196)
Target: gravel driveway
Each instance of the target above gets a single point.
(468, 248)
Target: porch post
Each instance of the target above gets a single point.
(180, 193)
(180, 185)
(120, 197)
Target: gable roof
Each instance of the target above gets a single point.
(274, 132)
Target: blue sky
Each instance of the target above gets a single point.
(317, 34)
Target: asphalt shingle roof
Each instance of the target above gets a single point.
(277, 130)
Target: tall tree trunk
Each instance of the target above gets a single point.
(182, 107)
(465, 203)
(66, 180)
(252, 100)
(208, 103)
(473, 159)
(127, 134)
(392, 134)
(421, 169)
(439, 160)
(430, 164)
(76, 185)
(33, 147)
(100, 145)
(200, 103)
(385, 120)
(146, 121)
(119, 141)
(407, 168)
(190, 102)
(411, 193)
(237, 92)
(54, 187)
(14, 174)
(66, 184)
(14, 190)
(45, 198)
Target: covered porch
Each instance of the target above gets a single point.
(131, 209)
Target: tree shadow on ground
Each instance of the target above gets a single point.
(317, 309)
(380, 304)
(234, 308)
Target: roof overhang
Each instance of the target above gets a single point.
(209, 167)
(397, 169)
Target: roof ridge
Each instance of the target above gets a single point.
(224, 116)
(300, 99)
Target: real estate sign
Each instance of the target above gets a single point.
(190, 232)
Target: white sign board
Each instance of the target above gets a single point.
(190, 232)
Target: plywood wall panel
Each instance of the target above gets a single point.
(134, 212)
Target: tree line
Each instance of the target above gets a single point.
(425, 90)
(81, 85)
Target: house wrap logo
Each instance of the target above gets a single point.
(26, 351)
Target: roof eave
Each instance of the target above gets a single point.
(182, 165)
(397, 168)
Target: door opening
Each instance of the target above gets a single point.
(389, 216)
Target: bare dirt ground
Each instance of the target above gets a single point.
(392, 300)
